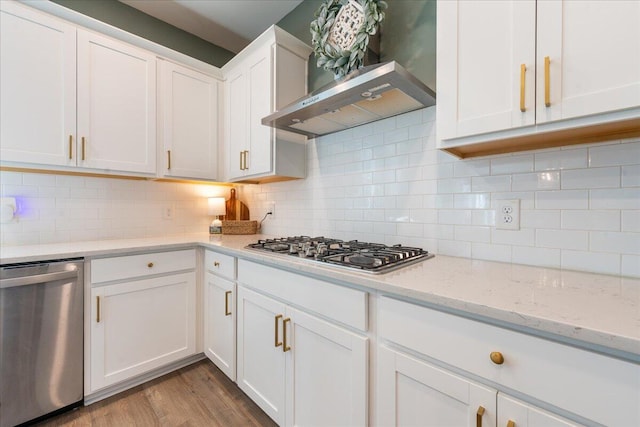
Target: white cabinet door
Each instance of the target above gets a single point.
(261, 362)
(482, 46)
(141, 325)
(594, 57)
(116, 105)
(38, 87)
(220, 323)
(260, 76)
(236, 123)
(327, 371)
(521, 414)
(412, 392)
(189, 111)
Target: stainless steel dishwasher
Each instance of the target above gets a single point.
(41, 339)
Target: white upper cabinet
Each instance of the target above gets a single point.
(188, 104)
(116, 105)
(38, 87)
(594, 57)
(520, 74)
(74, 98)
(270, 73)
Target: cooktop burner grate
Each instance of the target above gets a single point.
(364, 256)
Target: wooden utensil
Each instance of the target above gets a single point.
(236, 210)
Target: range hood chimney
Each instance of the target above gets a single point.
(365, 95)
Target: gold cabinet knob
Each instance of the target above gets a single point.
(497, 357)
(216, 264)
(150, 265)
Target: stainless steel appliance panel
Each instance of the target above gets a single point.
(41, 339)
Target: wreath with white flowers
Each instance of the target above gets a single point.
(340, 33)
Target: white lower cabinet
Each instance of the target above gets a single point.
(300, 369)
(412, 392)
(572, 383)
(220, 312)
(142, 323)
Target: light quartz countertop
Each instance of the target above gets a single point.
(594, 311)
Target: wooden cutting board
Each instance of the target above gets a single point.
(236, 210)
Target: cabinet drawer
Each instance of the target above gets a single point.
(345, 305)
(597, 387)
(133, 266)
(220, 264)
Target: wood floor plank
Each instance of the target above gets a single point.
(196, 395)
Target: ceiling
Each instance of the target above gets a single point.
(230, 24)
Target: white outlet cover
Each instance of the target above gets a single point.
(508, 214)
(8, 208)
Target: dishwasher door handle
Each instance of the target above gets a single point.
(39, 278)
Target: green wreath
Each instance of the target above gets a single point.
(336, 60)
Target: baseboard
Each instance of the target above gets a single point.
(140, 379)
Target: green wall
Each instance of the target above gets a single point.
(408, 36)
(132, 20)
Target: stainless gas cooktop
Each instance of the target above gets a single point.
(363, 256)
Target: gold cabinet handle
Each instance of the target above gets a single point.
(523, 70)
(276, 342)
(497, 357)
(241, 155)
(83, 148)
(227, 312)
(285, 347)
(246, 155)
(511, 423)
(70, 147)
(168, 159)
(150, 265)
(216, 264)
(547, 84)
(479, 415)
(97, 309)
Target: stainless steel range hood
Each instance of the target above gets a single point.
(365, 95)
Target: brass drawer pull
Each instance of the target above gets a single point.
(523, 70)
(168, 159)
(98, 309)
(216, 264)
(227, 312)
(511, 423)
(479, 415)
(497, 357)
(70, 147)
(277, 343)
(285, 347)
(547, 83)
(83, 148)
(150, 265)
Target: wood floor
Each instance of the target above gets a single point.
(197, 395)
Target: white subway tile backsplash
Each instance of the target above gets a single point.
(615, 198)
(630, 265)
(631, 175)
(594, 262)
(617, 242)
(591, 178)
(561, 159)
(487, 251)
(563, 199)
(541, 257)
(512, 164)
(626, 153)
(563, 239)
(536, 181)
(631, 221)
(385, 182)
(591, 220)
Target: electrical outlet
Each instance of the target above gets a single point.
(508, 215)
(168, 212)
(272, 209)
